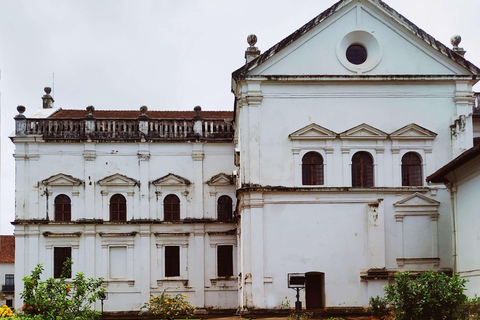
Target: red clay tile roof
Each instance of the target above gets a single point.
(134, 114)
(7, 249)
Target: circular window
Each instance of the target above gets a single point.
(359, 51)
(356, 54)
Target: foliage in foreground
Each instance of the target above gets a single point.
(56, 299)
(6, 312)
(169, 307)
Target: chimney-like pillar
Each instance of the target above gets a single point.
(20, 122)
(47, 98)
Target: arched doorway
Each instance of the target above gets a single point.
(315, 290)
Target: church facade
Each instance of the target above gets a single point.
(320, 169)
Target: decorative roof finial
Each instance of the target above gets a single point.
(252, 52)
(47, 98)
(90, 110)
(455, 41)
(197, 115)
(21, 110)
(143, 110)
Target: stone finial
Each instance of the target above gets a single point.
(455, 41)
(21, 110)
(197, 115)
(47, 98)
(252, 52)
(143, 110)
(90, 110)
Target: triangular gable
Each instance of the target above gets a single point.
(221, 179)
(416, 200)
(62, 179)
(312, 132)
(171, 180)
(413, 131)
(364, 131)
(417, 33)
(118, 180)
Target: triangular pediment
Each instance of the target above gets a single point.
(413, 132)
(62, 179)
(364, 131)
(118, 180)
(416, 199)
(221, 179)
(313, 132)
(171, 180)
(318, 47)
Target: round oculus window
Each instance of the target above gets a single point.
(356, 54)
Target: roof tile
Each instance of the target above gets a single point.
(7, 249)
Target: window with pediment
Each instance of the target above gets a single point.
(118, 208)
(411, 169)
(63, 208)
(362, 170)
(312, 169)
(171, 208)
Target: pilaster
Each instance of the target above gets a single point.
(144, 166)
(199, 270)
(462, 125)
(145, 252)
(198, 155)
(89, 156)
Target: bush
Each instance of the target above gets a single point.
(6, 312)
(430, 296)
(379, 306)
(169, 307)
(56, 299)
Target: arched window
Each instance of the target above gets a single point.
(312, 169)
(171, 208)
(224, 208)
(362, 170)
(63, 208)
(118, 208)
(411, 170)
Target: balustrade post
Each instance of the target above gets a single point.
(20, 122)
(197, 122)
(143, 121)
(90, 120)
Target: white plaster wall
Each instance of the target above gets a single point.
(5, 268)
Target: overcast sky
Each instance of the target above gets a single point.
(166, 54)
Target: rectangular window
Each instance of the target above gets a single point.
(172, 261)
(60, 255)
(225, 261)
(118, 262)
(9, 303)
(9, 279)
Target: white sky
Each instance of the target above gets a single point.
(166, 54)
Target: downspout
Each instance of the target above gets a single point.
(453, 192)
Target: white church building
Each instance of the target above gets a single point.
(320, 169)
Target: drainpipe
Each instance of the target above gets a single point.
(453, 191)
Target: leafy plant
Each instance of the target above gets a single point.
(431, 296)
(6, 312)
(285, 303)
(379, 306)
(304, 315)
(471, 309)
(56, 299)
(169, 307)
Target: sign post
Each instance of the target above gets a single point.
(296, 281)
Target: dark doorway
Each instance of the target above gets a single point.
(315, 290)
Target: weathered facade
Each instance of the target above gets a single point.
(7, 270)
(324, 161)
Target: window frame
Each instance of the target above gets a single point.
(362, 175)
(173, 215)
(406, 171)
(113, 206)
(228, 207)
(58, 262)
(309, 175)
(62, 213)
(172, 269)
(225, 262)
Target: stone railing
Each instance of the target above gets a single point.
(62, 129)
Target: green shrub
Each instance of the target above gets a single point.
(169, 307)
(56, 299)
(379, 306)
(431, 296)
